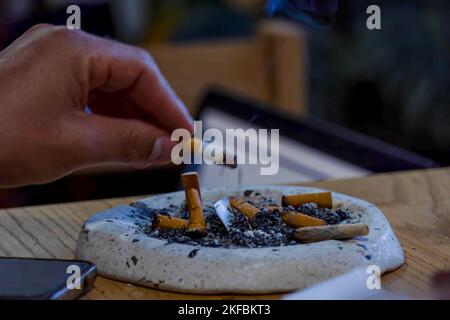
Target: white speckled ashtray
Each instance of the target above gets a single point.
(115, 241)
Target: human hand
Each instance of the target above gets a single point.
(47, 78)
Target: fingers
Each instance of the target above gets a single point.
(111, 140)
(116, 67)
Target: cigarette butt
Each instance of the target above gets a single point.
(298, 220)
(196, 225)
(322, 199)
(195, 144)
(168, 223)
(228, 159)
(244, 207)
(191, 180)
(331, 232)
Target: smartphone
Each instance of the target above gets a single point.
(45, 279)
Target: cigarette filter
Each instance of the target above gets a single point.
(191, 180)
(244, 207)
(197, 224)
(169, 223)
(297, 220)
(322, 199)
(331, 232)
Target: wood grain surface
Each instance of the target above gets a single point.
(417, 203)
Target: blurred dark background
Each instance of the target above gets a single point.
(392, 84)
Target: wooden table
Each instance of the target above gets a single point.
(417, 203)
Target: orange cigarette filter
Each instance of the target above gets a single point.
(244, 207)
(322, 199)
(197, 224)
(298, 220)
(191, 180)
(169, 223)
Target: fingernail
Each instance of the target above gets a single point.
(161, 150)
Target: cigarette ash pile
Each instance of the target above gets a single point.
(329, 215)
(267, 228)
(252, 220)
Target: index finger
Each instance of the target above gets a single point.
(114, 67)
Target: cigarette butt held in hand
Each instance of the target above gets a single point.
(168, 223)
(331, 232)
(322, 199)
(227, 158)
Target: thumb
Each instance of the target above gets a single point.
(125, 141)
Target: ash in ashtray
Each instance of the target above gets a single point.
(267, 229)
(331, 216)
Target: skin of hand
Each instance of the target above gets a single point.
(47, 79)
